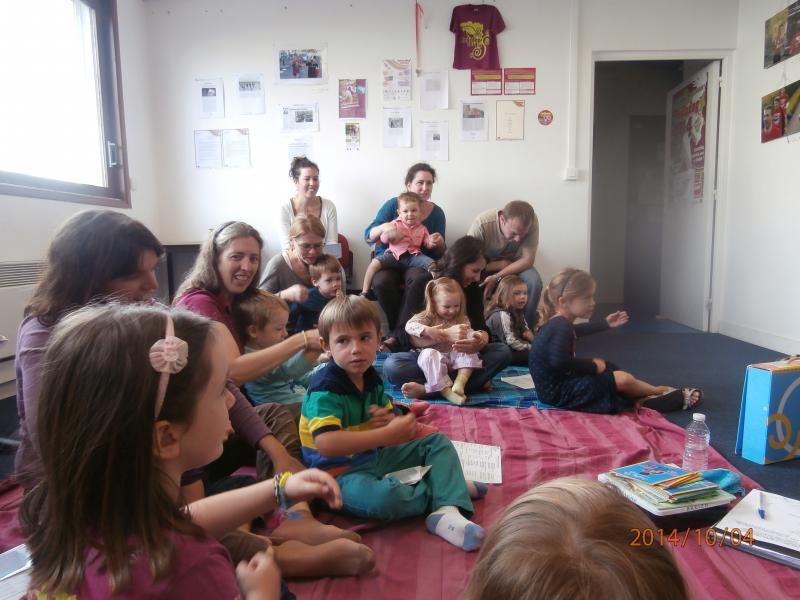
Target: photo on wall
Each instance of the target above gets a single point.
(782, 35)
(779, 114)
(307, 64)
(352, 98)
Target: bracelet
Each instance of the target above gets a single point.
(305, 341)
(280, 492)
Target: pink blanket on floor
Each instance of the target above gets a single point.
(537, 446)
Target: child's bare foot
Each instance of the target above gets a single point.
(338, 557)
(476, 489)
(412, 389)
(450, 395)
(308, 530)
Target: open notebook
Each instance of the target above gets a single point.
(775, 537)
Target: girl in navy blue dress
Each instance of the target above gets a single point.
(585, 384)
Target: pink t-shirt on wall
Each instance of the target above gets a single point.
(476, 27)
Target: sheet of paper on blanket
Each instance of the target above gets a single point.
(409, 476)
(524, 382)
(480, 462)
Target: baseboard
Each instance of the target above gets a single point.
(760, 338)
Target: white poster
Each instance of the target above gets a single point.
(236, 148)
(397, 80)
(250, 89)
(397, 127)
(352, 137)
(474, 122)
(510, 119)
(299, 117)
(435, 145)
(210, 94)
(208, 148)
(433, 90)
(301, 146)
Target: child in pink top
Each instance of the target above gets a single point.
(406, 236)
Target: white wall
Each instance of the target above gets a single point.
(761, 284)
(28, 223)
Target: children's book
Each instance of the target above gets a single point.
(662, 508)
(662, 482)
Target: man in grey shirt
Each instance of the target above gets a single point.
(511, 238)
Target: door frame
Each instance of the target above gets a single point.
(717, 267)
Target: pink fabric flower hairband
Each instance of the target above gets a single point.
(168, 356)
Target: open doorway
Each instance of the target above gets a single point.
(631, 260)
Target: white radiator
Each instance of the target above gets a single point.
(17, 280)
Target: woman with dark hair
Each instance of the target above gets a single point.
(95, 255)
(464, 261)
(399, 307)
(305, 175)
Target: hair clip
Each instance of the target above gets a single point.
(168, 356)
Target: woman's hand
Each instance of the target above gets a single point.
(296, 293)
(436, 334)
(260, 577)
(617, 319)
(489, 284)
(471, 345)
(313, 483)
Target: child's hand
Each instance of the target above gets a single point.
(601, 365)
(437, 334)
(457, 332)
(401, 429)
(296, 293)
(390, 233)
(260, 576)
(527, 335)
(312, 335)
(380, 416)
(435, 240)
(313, 483)
(617, 319)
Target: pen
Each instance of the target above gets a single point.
(761, 512)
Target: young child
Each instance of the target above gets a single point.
(443, 321)
(505, 318)
(571, 538)
(584, 384)
(347, 428)
(405, 250)
(142, 389)
(326, 275)
(262, 319)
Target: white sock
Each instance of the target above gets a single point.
(449, 524)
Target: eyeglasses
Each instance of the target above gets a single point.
(307, 247)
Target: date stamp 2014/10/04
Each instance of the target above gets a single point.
(647, 536)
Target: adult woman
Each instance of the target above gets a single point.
(463, 262)
(399, 307)
(95, 255)
(305, 201)
(227, 268)
(286, 274)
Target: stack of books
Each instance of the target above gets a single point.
(665, 489)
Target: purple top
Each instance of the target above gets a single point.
(244, 418)
(31, 343)
(201, 569)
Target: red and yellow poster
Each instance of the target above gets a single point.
(688, 140)
(519, 82)
(486, 82)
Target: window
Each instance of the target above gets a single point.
(60, 108)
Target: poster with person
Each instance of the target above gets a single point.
(782, 35)
(779, 114)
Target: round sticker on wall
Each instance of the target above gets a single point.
(545, 117)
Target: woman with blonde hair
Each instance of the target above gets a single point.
(570, 539)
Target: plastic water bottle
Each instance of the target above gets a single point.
(695, 453)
